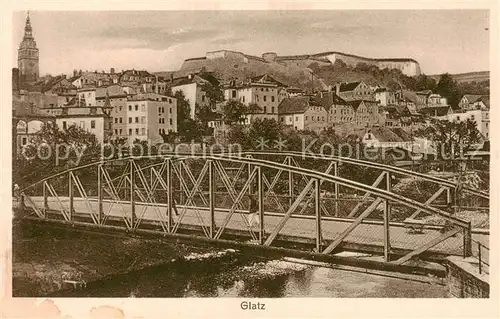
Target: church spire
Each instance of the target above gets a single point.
(27, 29)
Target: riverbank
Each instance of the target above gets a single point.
(44, 256)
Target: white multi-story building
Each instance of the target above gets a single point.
(145, 119)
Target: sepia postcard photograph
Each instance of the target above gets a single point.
(252, 155)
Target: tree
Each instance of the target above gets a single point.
(233, 112)
(205, 114)
(447, 88)
(452, 139)
(423, 82)
(52, 150)
(265, 130)
(188, 128)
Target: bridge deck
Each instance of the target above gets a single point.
(297, 226)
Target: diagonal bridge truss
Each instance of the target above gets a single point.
(303, 202)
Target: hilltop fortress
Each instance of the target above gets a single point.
(407, 66)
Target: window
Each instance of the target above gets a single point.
(243, 99)
(137, 107)
(130, 107)
(322, 118)
(265, 109)
(129, 131)
(143, 107)
(272, 109)
(116, 120)
(116, 131)
(121, 131)
(203, 98)
(272, 98)
(92, 124)
(233, 94)
(136, 131)
(143, 119)
(170, 110)
(137, 119)
(170, 101)
(24, 141)
(82, 124)
(265, 98)
(130, 120)
(282, 119)
(64, 125)
(121, 120)
(296, 118)
(170, 121)
(306, 118)
(143, 131)
(472, 117)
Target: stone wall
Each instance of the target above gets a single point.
(464, 281)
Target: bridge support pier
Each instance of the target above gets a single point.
(317, 198)
(70, 195)
(170, 197)
(467, 235)
(132, 191)
(211, 197)
(387, 218)
(260, 190)
(45, 200)
(336, 187)
(99, 193)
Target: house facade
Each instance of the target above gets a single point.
(355, 91)
(302, 113)
(145, 119)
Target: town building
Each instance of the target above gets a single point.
(366, 113)
(145, 119)
(383, 137)
(28, 56)
(354, 91)
(480, 116)
(473, 101)
(95, 120)
(303, 113)
(385, 97)
(192, 86)
(263, 92)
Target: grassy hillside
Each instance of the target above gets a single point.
(467, 77)
(299, 73)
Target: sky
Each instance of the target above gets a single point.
(453, 41)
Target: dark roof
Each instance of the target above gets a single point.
(267, 78)
(346, 87)
(472, 97)
(426, 92)
(384, 134)
(378, 90)
(486, 100)
(435, 111)
(401, 133)
(327, 99)
(296, 104)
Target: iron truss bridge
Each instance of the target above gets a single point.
(309, 203)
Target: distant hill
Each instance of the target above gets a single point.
(467, 77)
(320, 70)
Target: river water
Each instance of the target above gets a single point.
(244, 277)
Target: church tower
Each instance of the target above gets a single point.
(27, 56)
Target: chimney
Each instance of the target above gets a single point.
(337, 88)
(74, 72)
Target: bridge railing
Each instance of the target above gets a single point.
(271, 203)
